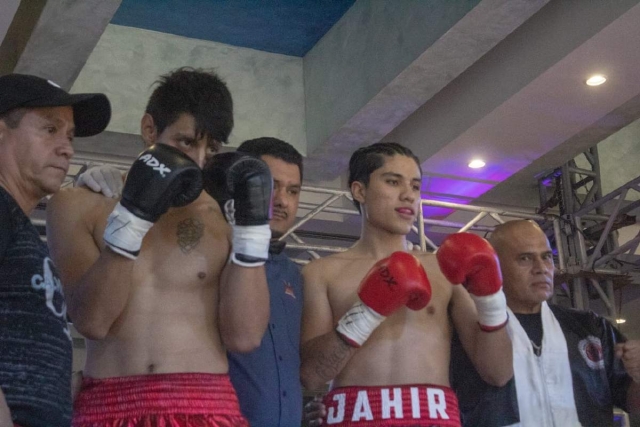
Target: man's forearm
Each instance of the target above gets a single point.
(5, 414)
(244, 307)
(101, 295)
(493, 357)
(323, 358)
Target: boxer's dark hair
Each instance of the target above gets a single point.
(274, 147)
(200, 93)
(365, 160)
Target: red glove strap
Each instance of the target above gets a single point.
(489, 329)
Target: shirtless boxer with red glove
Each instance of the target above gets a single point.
(389, 366)
(469, 259)
(393, 282)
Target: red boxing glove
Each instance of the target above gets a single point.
(469, 259)
(393, 282)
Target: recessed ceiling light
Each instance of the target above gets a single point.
(619, 321)
(476, 164)
(596, 80)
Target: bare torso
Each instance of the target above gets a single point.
(409, 347)
(169, 323)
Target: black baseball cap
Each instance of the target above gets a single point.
(91, 111)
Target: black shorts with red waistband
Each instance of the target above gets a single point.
(404, 405)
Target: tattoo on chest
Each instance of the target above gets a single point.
(189, 233)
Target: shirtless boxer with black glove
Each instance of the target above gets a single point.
(161, 177)
(242, 185)
(148, 279)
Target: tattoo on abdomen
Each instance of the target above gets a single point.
(190, 232)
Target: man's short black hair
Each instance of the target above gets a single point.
(274, 147)
(365, 160)
(197, 92)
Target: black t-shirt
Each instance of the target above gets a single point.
(5, 229)
(532, 325)
(35, 343)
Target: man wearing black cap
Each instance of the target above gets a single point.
(38, 121)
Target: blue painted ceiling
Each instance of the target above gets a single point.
(289, 27)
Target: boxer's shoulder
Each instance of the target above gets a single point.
(328, 265)
(321, 271)
(74, 194)
(81, 201)
(314, 269)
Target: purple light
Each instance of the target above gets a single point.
(436, 186)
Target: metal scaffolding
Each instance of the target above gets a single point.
(582, 230)
(595, 264)
(427, 230)
(580, 223)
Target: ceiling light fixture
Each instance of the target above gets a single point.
(476, 164)
(620, 321)
(596, 80)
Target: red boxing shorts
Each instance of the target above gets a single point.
(400, 405)
(164, 400)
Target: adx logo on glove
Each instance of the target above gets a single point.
(151, 161)
(387, 277)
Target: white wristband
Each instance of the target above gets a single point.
(125, 231)
(251, 241)
(358, 323)
(492, 309)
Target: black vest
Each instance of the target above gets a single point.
(599, 379)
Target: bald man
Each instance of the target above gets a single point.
(570, 367)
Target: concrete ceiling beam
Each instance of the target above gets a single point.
(335, 129)
(64, 37)
(17, 22)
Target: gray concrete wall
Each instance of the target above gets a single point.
(619, 159)
(267, 88)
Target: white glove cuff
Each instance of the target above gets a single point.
(251, 241)
(358, 323)
(125, 231)
(492, 310)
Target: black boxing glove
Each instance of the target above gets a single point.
(242, 185)
(160, 178)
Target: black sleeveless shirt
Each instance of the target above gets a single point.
(35, 343)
